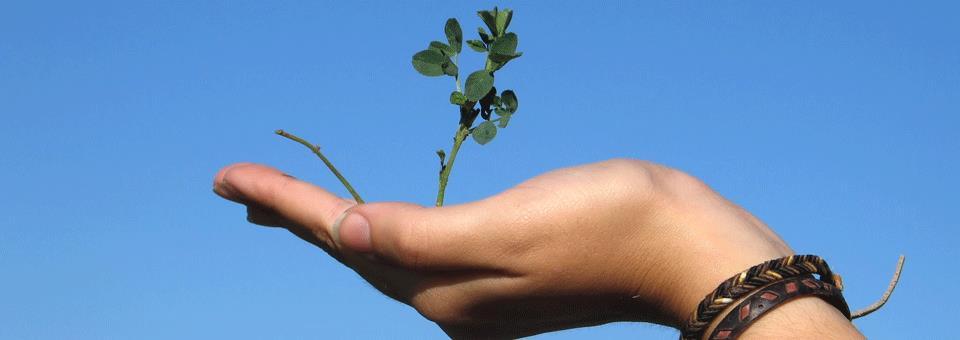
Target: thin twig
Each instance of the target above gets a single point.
(316, 150)
(457, 77)
(461, 135)
(886, 295)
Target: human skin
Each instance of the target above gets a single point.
(620, 240)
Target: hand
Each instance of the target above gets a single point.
(612, 241)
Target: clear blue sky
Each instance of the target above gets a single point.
(834, 123)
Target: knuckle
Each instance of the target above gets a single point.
(649, 179)
(632, 177)
(681, 182)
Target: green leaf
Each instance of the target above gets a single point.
(442, 155)
(477, 45)
(442, 48)
(504, 50)
(457, 98)
(454, 34)
(505, 46)
(503, 20)
(490, 19)
(478, 84)
(484, 133)
(429, 63)
(451, 69)
(484, 36)
(502, 59)
(504, 120)
(509, 100)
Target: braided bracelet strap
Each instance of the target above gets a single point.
(740, 285)
(772, 296)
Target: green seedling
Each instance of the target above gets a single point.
(477, 98)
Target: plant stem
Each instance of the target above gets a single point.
(316, 150)
(462, 131)
(457, 78)
(886, 294)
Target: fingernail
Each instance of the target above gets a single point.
(354, 233)
(220, 186)
(218, 178)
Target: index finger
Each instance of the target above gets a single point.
(312, 209)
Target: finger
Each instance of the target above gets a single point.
(422, 238)
(219, 186)
(309, 209)
(265, 217)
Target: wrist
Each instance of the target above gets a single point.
(712, 251)
(675, 288)
(709, 273)
(804, 318)
(702, 240)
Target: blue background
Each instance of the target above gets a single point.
(834, 123)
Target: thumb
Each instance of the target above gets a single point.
(416, 237)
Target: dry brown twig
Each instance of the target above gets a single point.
(886, 295)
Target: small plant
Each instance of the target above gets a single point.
(477, 98)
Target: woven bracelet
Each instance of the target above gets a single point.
(772, 296)
(738, 286)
